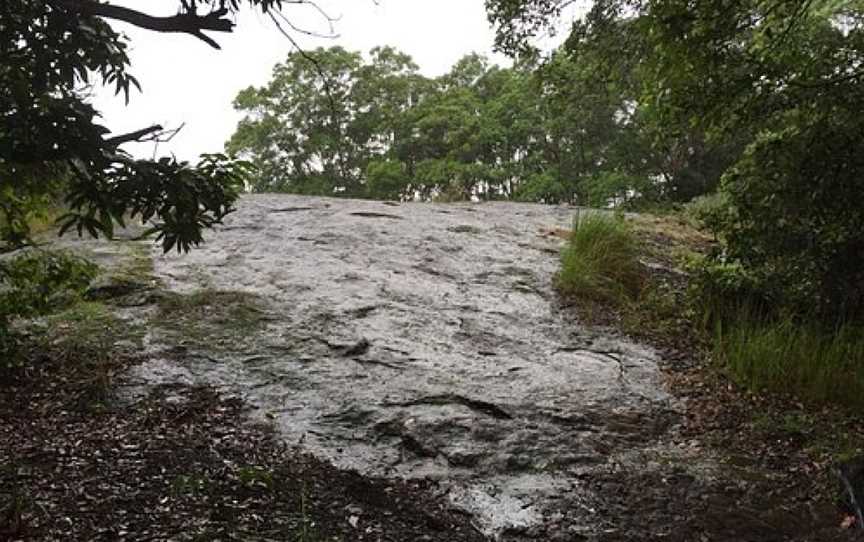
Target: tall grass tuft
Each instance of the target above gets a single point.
(798, 358)
(600, 262)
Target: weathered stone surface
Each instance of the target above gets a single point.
(423, 340)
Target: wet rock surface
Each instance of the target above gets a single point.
(421, 341)
(425, 342)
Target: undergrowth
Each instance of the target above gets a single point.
(715, 304)
(801, 358)
(34, 283)
(211, 318)
(600, 262)
(765, 346)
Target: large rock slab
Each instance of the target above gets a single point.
(423, 340)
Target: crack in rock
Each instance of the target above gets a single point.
(366, 214)
(291, 210)
(483, 407)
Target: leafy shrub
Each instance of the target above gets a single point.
(615, 189)
(798, 219)
(546, 187)
(35, 283)
(386, 179)
(600, 261)
(766, 346)
(21, 216)
(710, 212)
(434, 175)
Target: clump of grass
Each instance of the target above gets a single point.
(85, 335)
(799, 358)
(255, 476)
(83, 325)
(212, 318)
(242, 308)
(706, 212)
(600, 262)
(135, 271)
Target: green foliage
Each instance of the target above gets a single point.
(315, 128)
(27, 208)
(545, 187)
(328, 124)
(518, 21)
(763, 93)
(723, 292)
(710, 212)
(55, 155)
(186, 199)
(793, 220)
(53, 149)
(35, 283)
(600, 262)
(615, 189)
(386, 180)
(798, 222)
(38, 281)
(801, 359)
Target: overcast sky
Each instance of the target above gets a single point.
(186, 81)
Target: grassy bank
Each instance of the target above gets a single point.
(636, 269)
(799, 358)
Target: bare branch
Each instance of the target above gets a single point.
(331, 35)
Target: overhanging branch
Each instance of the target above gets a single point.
(186, 23)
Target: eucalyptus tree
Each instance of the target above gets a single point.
(324, 117)
(296, 129)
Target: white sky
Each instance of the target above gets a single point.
(185, 80)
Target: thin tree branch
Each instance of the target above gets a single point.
(312, 60)
(828, 82)
(331, 35)
(137, 135)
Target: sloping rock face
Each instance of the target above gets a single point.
(423, 340)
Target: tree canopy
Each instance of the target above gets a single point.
(778, 84)
(334, 122)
